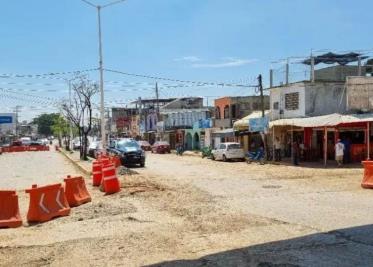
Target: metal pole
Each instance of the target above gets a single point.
(287, 72)
(325, 145)
(359, 66)
(368, 140)
(70, 123)
(312, 69)
(102, 107)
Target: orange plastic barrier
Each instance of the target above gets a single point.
(96, 173)
(75, 191)
(110, 180)
(46, 203)
(368, 174)
(9, 210)
(116, 161)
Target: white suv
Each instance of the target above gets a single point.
(227, 151)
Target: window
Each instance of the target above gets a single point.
(226, 112)
(292, 101)
(275, 105)
(234, 146)
(217, 113)
(233, 107)
(222, 146)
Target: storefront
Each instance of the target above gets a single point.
(317, 136)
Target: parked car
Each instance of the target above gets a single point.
(76, 143)
(25, 141)
(94, 148)
(161, 147)
(44, 141)
(228, 151)
(145, 145)
(128, 150)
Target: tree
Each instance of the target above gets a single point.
(61, 129)
(80, 110)
(45, 123)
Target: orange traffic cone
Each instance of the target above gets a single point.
(9, 210)
(110, 180)
(46, 203)
(75, 191)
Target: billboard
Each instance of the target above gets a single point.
(6, 119)
(258, 124)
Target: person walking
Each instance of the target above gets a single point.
(277, 145)
(339, 152)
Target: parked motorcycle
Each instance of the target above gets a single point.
(206, 152)
(179, 150)
(256, 156)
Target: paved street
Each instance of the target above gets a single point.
(21, 170)
(190, 211)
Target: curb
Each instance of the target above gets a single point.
(76, 163)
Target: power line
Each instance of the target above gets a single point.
(180, 81)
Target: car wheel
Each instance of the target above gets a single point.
(224, 158)
(142, 164)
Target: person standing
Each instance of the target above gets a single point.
(339, 152)
(295, 153)
(277, 145)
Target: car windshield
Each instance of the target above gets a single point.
(127, 144)
(234, 146)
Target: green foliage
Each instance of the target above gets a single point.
(45, 123)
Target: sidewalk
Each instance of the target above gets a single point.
(73, 157)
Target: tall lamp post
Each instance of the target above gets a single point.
(101, 66)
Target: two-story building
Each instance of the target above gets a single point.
(229, 109)
(318, 113)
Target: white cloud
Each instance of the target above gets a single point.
(227, 63)
(188, 59)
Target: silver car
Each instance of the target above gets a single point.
(228, 151)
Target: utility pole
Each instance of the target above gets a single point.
(16, 111)
(157, 97)
(101, 67)
(70, 122)
(140, 111)
(260, 85)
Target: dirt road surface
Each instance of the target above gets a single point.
(187, 211)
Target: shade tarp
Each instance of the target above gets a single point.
(332, 58)
(243, 124)
(323, 121)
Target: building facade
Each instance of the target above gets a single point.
(230, 109)
(306, 99)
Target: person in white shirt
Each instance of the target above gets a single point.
(339, 151)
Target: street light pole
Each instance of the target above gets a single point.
(101, 67)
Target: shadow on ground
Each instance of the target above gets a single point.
(343, 247)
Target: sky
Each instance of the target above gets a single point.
(199, 40)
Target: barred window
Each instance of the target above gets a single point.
(275, 105)
(292, 101)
